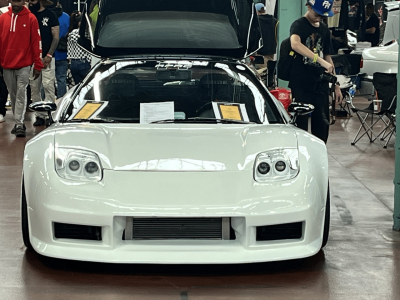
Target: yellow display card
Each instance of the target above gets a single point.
(88, 110)
(231, 112)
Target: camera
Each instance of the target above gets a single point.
(328, 78)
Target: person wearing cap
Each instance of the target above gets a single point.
(50, 33)
(268, 25)
(310, 39)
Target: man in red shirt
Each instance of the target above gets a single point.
(20, 47)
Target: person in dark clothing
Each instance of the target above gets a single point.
(311, 40)
(50, 35)
(3, 96)
(372, 31)
(3, 86)
(356, 17)
(60, 55)
(268, 25)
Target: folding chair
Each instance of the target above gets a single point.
(386, 88)
(389, 130)
(348, 90)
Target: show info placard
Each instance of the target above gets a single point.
(158, 111)
(230, 111)
(90, 109)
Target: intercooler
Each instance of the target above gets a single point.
(139, 228)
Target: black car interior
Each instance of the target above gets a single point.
(192, 90)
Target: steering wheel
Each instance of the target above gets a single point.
(203, 109)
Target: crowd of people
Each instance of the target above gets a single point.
(38, 45)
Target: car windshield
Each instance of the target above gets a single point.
(172, 92)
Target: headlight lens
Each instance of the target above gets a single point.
(78, 165)
(276, 165)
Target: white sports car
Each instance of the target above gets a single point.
(174, 158)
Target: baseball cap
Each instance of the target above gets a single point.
(322, 7)
(259, 6)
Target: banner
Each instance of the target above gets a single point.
(270, 7)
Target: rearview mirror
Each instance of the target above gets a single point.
(174, 75)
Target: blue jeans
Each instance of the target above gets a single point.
(79, 69)
(61, 77)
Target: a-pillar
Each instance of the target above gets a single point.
(396, 214)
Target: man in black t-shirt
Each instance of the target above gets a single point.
(268, 26)
(49, 32)
(372, 31)
(310, 39)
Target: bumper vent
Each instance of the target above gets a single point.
(287, 231)
(77, 232)
(177, 228)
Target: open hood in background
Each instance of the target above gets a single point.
(392, 24)
(226, 28)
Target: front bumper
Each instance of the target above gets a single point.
(137, 194)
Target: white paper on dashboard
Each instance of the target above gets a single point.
(157, 111)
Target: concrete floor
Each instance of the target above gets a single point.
(361, 260)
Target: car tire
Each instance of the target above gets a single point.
(327, 220)
(24, 220)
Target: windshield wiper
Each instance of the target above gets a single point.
(224, 121)
(97, 120)
(202, 120)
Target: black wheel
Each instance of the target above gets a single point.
(24, 220)
(327, 220)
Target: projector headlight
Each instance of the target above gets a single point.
(276, 165)
(80, 165)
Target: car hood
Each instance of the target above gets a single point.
(227, 28)
(173, 147)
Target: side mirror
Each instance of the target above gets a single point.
(299, 109)
(44, 106)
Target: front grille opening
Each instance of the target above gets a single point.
(288, 231)
(177, 228)
(77, 232)
(156, 228)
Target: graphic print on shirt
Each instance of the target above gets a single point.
(314, 43)
(44, 21)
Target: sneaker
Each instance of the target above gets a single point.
(15, 127)
(20, 131)
(39, 122)
(1, 118)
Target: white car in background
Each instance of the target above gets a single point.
(383, 59)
